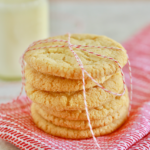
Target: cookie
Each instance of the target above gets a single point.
(60, 101)
(51, 83)
(63, 132)
(96, 113)
(61, 61)
(78, 124)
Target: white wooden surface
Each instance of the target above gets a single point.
(118, 20)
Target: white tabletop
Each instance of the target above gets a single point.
(118, 20)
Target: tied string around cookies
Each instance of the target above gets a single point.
(81, 47)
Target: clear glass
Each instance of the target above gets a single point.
(21, 23)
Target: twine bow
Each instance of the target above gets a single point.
(81, 47)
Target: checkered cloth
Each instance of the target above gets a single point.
(17, 127)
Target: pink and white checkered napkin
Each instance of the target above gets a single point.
(17, 127)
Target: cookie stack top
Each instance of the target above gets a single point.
(61, 61)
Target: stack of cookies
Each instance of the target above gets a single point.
(54, 84)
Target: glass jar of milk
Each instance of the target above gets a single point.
(21, 23)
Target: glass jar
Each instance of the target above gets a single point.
(21, 23)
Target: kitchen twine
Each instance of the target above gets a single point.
(71, 46)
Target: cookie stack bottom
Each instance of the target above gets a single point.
(75, 127)
(63, 114)
(70, 133)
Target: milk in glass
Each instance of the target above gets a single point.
(21, 23)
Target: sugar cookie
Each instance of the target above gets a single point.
(51, 83)
(97, 113)
(61, 61)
